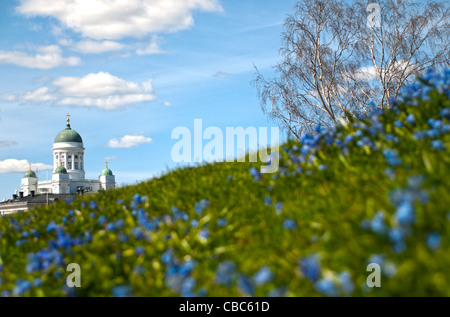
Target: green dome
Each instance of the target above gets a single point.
(68, 135)
(60, 170)
(30, 174)
(107, 172)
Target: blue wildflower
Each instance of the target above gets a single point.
(255, 174)
(410, 119)
(289, 224)
(345, 281)
(122, 291)
(204, 234)
(434, 241)
(264, 275)
(438, 145)
(52, 226)
(92, 205)
(268, 200)
(326, 287)
(279, 207)
(225, 272)
(322, 167)
(194, 223)
(398, 124)
(245, 285)
(377, 223)
(391, 157)
(405, 214)
(445, 113)
(396, 235)
(139, 250)
(137, 198)
(390, 173)
(21, 287)
(222, 222)
(187, 287)
(310, 267)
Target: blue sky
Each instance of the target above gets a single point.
(128, 73)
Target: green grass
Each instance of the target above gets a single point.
(328, 207)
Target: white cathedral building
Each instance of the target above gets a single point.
(68, 169)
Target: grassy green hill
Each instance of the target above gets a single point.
(374, 191)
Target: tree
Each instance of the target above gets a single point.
(341, 59)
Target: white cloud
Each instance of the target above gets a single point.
(128, 141)
(167, 104)
(100, 90)
(7, 143)
(113, 20)
(221, 75)
(46, 57)
(17, 166)
(370, 72)
(95, 47)
(152, 48)
(38, 95)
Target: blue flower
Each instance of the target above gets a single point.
(445, 113)
(410, 119)
(255, 173)
(390, 173)
(345, 280)
(322, 167)
(434, 241)
(222, 222)
(204, 234)
(377, 223)
(405, 214)
(279, 207)
(52, 226)
(194, 223)
(391, 157)
(122, 291)
(137, 198)
(200, 206)
(310, 267)
(92, 205)
(326, 287)
(289, 224)
(21, 287)
(438, 145)
(187, 287)
(245, 285)
(224, 273)
(139, 250)
(268, 200)
(264, 275)
(101, 220)
(396, 235)
(398, 124)
(277, 292)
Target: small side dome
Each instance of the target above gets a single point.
(106, 171)
(30, 174)
(60, 170)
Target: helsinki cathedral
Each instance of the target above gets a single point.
(68, 169)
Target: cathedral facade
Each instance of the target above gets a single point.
(68, 175)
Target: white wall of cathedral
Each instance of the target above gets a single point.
(29, 184)
(71, 156)
(107, 182)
